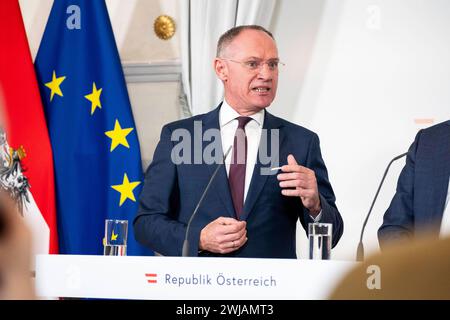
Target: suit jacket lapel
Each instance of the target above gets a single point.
(220, 184)
(258, 179)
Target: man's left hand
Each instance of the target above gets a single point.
(299, 181)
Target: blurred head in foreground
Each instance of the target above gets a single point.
(15, 249)
(415, 271)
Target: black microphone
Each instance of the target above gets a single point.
(185, 251)
(360, 251)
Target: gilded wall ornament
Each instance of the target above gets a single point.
(164, 27)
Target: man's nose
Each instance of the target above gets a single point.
(264, 72)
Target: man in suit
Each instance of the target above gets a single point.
(246, 212)
(420, 206)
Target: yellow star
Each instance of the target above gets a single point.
(126, 189)
(113, 236)
(54, 85)
(94, 98)
(118, 136)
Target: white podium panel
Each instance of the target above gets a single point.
(177, 278)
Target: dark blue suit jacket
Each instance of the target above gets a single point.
(418, 204)
(171, 192)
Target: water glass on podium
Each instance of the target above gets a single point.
(319, 235)
(115, 242)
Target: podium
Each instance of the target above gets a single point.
(180, 278)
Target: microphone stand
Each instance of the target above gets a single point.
(360, 251)
(185, 251)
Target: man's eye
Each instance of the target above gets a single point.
(273, 64)
(252, 64)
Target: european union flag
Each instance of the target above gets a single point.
(92, 131)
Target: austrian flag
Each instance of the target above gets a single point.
(26, 130)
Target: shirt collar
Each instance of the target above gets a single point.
(228, 114)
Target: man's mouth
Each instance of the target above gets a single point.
(261, 89)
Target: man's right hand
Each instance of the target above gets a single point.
(223, 235)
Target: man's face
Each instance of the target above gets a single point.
(249, 89)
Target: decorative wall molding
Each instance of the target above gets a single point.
(167, 71)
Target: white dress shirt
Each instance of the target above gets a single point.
(445, 224)
(228, 125)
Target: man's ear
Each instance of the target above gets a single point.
(221, 69)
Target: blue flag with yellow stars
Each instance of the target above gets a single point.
(95, 145)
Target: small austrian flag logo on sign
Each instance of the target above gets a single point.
(151, 277)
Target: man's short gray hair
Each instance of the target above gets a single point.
(228, 36)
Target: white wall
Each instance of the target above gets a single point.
(366, 76)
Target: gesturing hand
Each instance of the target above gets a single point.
(300, 182)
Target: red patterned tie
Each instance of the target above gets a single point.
(237, 167)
